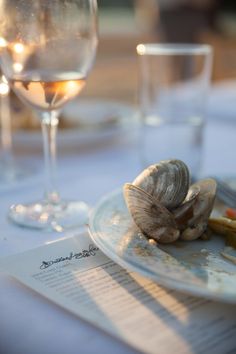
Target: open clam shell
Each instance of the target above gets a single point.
(201, 208)
(153, 219)
(164, 207)
(185, 211)
(167, 181)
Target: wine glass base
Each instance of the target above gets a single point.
(50, 217)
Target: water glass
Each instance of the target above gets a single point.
(174, 81)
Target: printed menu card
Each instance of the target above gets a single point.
(76, 275)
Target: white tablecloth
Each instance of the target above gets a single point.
(29, 323)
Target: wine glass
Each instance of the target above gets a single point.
(47, 51)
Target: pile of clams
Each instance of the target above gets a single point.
(165, 207)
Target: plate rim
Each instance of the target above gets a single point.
(168, 282)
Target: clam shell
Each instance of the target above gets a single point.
(185, 211)
(167, 182)
(193, 233)
(202, 207)
(153, 219)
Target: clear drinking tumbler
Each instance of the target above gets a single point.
(174, 81)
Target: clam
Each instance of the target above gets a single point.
(167, 182)
(165, 207)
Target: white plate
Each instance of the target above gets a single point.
(93, 121)
(194, 267)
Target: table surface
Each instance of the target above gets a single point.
(31, 324)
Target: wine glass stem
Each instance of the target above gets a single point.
(49, 125)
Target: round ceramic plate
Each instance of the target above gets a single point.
(194, 267)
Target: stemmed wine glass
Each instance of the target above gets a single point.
(47, 50)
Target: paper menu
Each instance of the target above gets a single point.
(76, 275)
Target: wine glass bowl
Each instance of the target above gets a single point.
(47, 50)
